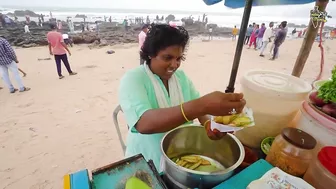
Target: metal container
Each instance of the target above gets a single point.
(193, 140)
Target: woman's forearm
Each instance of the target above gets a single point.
(164, 119)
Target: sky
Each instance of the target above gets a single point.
(187, 5)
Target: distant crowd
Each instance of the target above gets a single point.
(259, 36)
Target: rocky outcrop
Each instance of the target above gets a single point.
(80, 16)
(23, 13)
(109, 34)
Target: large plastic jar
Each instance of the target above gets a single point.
(275, 99)
(292, 151)
(322, 170)
(321, 126)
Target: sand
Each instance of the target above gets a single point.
(62, 126)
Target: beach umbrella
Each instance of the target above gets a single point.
(246, 17)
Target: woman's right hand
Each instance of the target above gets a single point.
(221, 104)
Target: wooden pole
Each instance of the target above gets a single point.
(308, 41)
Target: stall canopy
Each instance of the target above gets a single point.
(246, 16)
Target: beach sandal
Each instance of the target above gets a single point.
(73, 73)
(13, 91)
(61, 77)
(25, 89)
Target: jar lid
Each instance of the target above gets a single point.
(299, 138)
(328, 159)
(277, 81)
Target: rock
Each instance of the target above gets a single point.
(110, 52)
(170, 18)
(86, 38)
(23, 13)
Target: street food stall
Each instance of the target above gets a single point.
(264, 152)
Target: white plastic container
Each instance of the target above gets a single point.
(275, 99)
(321, 127)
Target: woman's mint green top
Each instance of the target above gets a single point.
(136, 96)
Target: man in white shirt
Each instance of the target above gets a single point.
(26, 29)
(267, 38)
(210, 33)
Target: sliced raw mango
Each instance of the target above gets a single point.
(241, 121)
(218, 119)
(135, 183)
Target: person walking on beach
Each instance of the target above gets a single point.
(9, 61)
(267, 38)
(58, 48)
(210, 33)
(142, 37)
(260, 35)
(248, 34)
(253, 39)
(234, 33)
(279, 39)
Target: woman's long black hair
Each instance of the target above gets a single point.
(161, 36)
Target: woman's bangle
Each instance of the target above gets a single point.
(207, 121)
(185, 117)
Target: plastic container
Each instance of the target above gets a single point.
(322, 171)
(321, 126)
(292, 151)
(275, 99)
(319, 83)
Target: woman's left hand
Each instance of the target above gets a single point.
(213, 134)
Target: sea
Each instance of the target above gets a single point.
(223, 19)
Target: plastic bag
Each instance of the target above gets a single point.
(277, 179)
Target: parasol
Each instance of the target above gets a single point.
(246, 16)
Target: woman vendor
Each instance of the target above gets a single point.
(157, 97)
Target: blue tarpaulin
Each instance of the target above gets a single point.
(241, 3)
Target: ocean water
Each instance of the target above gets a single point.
(118, 15)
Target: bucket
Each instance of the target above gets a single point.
(275, 99)
(320, 126)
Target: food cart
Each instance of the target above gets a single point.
(127, 173)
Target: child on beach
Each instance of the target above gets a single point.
(253, 39)
(234, 33)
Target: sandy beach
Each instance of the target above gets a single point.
(62, 126)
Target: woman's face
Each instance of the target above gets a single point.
(167, 62)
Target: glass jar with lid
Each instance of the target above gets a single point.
(292, 151)
(322, 170)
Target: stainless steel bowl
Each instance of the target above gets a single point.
(228, 151)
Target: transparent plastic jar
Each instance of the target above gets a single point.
(292, 151)
(322, 170)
